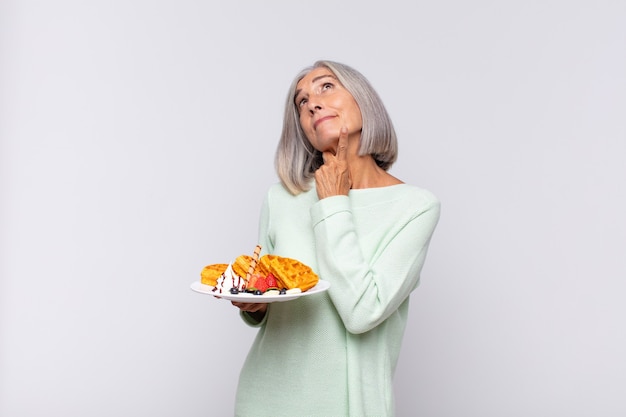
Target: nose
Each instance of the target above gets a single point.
(314, 104)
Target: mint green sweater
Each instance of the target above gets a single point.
(334, 354)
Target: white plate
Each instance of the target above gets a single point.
(251, 298)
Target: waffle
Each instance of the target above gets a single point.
(241, 265)
(289, 273)
(211, 273)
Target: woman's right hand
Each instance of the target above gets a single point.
(255, 310)
(333, 178)
(259, 308)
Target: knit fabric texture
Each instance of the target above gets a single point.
(334, 354)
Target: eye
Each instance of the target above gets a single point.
(327, 86)
(302, 102)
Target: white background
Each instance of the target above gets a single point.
(137, 142)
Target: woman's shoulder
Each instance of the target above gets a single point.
(411, 195)
(278, 188)
(421, 193)
(397, 192)
(414, 201)
(401, 201)
(277, 192)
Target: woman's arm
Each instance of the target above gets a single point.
(367, 291)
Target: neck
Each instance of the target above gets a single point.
(365, 173)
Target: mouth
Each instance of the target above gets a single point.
(323, 119)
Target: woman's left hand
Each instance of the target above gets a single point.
(333, 178)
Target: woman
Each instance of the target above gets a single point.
(338, 210)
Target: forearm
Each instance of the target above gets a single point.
(366, 289)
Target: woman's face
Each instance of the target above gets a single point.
(325, 106)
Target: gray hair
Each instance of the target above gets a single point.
(296, 160)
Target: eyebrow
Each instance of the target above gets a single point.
(314, 80)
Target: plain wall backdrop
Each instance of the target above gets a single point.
(137, 143)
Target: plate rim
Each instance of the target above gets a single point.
(201, 288)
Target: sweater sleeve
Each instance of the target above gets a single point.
(367, 291)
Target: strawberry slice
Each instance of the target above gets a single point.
(271, 281)
(261, 284)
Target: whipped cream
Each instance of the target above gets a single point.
(229, 280)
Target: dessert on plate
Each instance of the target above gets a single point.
(267, 275)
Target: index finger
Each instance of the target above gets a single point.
(342, 144)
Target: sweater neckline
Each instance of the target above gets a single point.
(385, 188)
